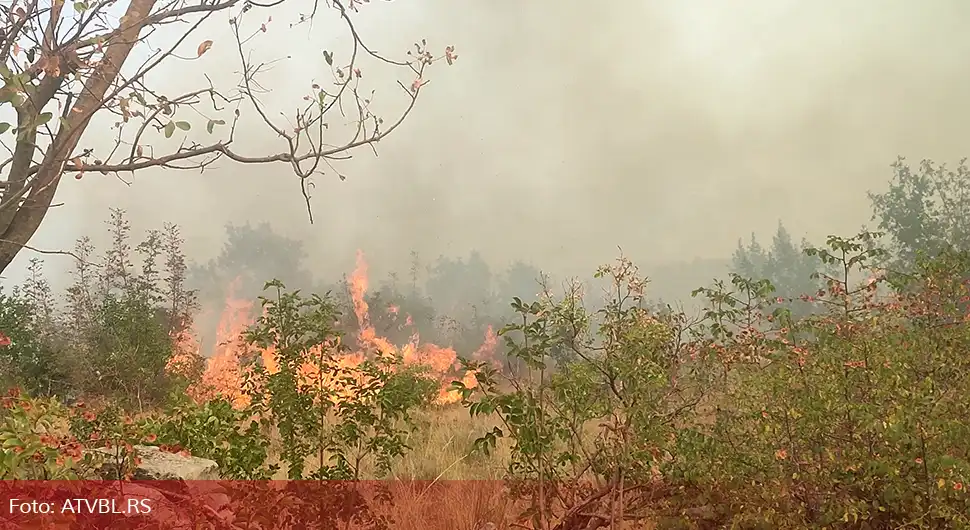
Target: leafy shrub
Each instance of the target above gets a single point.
(119, 325)
(25, 360)
(112, 432)
(323, 407)
(607, 417)
(852, 417)
(130, 350)
(37, 442)
(217, 431)
(855, 414)
(850, 412)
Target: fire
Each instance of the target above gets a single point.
(487, 350)
(187, 350)
(484, 352)
(224, 374)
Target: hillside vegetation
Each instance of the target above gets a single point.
(820, 387)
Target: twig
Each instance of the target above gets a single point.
(49, 252)
(436, 479)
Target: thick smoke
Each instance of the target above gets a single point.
(567, 129)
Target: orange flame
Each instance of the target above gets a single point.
(224, 376)
(487, 349)
(186, 351)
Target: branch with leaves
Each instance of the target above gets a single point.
(63, 65)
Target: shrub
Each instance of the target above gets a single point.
(854, 417)
(25, 359)
(606, 418)
(119, 326)
(338, 412)
(215, 430)
(37, 442)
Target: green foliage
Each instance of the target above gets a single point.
(792, 272)
(848, 414)
(250, 254)
(123, 317)
(924, 211)
(337, 414)
(113, 433)
(609, 415)
(215, 430)
(26, 361)
(36, 441)
(116, 333)
(851, 417)
(130, 349)
(857, 421)
(44, 440)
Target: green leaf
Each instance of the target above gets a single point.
(184, 125)
(4, 127)
(209, 126)
(169, 129)
(44, 118)
(327, 56)
(80, 7)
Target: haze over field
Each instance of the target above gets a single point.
(567, 129)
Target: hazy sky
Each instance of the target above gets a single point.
(567, 129)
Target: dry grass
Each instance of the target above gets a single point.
(441, 450)
(464, 505)
(442, 482)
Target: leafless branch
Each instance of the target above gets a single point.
(49, 252)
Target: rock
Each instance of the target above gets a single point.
(159, 465)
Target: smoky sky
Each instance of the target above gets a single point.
(568, 129)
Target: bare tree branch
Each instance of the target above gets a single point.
(50, 252)
(62, 66)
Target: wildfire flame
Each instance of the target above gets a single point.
(223, 375)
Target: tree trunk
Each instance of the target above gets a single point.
(25, 219)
